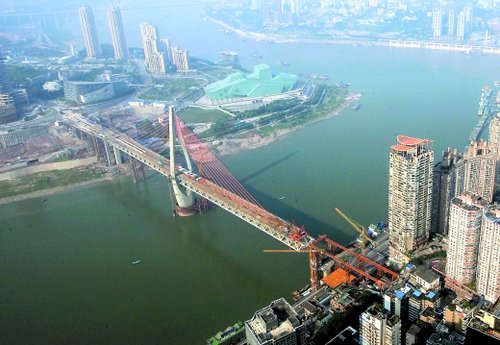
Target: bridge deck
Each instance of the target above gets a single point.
(283, 231)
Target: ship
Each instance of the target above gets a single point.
(314, 76)
(256, 54)
(136, 262)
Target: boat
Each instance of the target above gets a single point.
(136, 262)
(43, 200)
(496, 83)
(283, 63)
(281, 198)
(231, 335)
(256, 54)
(356, 106)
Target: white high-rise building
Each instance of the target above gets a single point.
(378, 327)
(154, 58)
(437, 22)
(461, 26)
(117, 33)
(488, 263)
(451, 23)
(89, 31)
(463, 237)
(410, 196)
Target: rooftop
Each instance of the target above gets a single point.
(426, 274)
(261, 82)
(410, 141)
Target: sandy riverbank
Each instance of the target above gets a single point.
(50, 191)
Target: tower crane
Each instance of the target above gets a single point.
(359, 228)
(313, 262)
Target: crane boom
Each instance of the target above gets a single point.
(359, 228)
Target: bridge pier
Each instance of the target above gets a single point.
(118, 156)
(184, 198)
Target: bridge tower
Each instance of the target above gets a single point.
(184, 198)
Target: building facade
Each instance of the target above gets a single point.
(378, 327)
(180, 59)
(89, 32)
(155, 59)
(494, 142)
(410, 196)
(461, 26)
(488, 263)
(463, 237)
(443, 190)
(117, 33)
(475, 172)
(93, 92)
(437, 22)
(451, 23)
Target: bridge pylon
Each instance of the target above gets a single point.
(184, 198)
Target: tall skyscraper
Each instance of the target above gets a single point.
(410, 196)
(378, 327)
(89, 31)
(155, 58)
(451, 23)
(180, 59)
(494, 141)
(117, 33)
(463, 238)
(443, 190)
(488, 263)
(475, 172)
(461, 26)
(437, 19)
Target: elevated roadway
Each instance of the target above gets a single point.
(274, 226)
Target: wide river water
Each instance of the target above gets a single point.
(66, 274)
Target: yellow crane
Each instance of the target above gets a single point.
(359, 228)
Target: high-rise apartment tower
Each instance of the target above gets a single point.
(463, 237)
(155, 58)
(89, 31)
(117, 33)
(410, 196)
(488, 263)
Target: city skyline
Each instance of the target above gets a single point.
(419, 261)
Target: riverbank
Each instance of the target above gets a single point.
(393, 43)
(54, 190)
(252, 140)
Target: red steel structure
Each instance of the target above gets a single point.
(208, 164)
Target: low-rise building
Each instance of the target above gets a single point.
(84, 92)
(425, 278)
(275, 324)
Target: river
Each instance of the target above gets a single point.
(66, 274)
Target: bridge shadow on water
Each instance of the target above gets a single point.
(267, 167)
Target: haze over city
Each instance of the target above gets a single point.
(250, 172)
